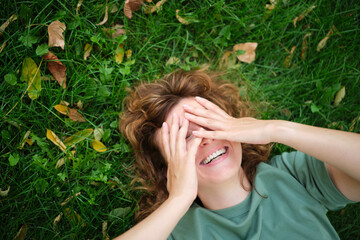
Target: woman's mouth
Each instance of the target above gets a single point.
(214, 156)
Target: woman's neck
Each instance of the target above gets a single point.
(225, 194)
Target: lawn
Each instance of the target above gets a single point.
(65, 169)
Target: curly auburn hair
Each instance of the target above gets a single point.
(145, 110)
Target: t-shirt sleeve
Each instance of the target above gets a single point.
(312, 174)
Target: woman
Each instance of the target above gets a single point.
(202, 160)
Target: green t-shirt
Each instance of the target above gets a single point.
(297, 192)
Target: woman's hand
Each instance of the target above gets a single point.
(222, 126)
(181, 175)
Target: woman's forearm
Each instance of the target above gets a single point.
(160, 223)
(337, 148)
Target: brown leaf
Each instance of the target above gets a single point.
(56, 68)
(180, 19)
(105, 17)
(57, 220)
(22, 233)
(303, 15)
(132, 6)
(2, 47)
(69, 199)
(287, 62)
(71, 112)
(128, 53)
(305, 46)
(249, 48)
(104, 231)
(75, 115)
(74, 217)
(56, 37)
(271, 6)
(5, 24)
(24, 140)
(115, 31)
(152, 9)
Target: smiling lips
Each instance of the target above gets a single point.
(214, 156)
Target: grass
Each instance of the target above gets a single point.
(303, 92)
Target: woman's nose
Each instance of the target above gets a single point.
(205, 141)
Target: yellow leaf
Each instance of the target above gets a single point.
(352, 126)
(74, 217)
(78, 6)
(128, 53)
(5, 192)
(98, 146)
(119, 54)
(249, 48)
(271, 6)
(31, 74)
(59, 163)
(56, 37)
(339, 96)
(180, 19)
(62, 109)
(87, 50)
(52, 137)
(78, 137)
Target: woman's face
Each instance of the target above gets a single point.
(216, 161)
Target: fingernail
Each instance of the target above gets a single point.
(186, 106)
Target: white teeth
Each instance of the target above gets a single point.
(214, 155)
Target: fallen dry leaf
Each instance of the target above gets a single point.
(303, 15)
(105, 17)
(78, 5)
(173, 61)
(98, 133)
(56, 68)
(132, 6)
(271, 6)
(24, 140)
(2, 47)
(59, 163)
(128, 53)
(57, 220)
(72, 113)
(152, 9)
(55, 139)
(98, 146)
(353, 122)
(87, 49)
(104, 231)
(322, 43)
(119, 54)
(228, 60)
(56, 37)
(78, 137)
(74, 217)
(31, 75)
(249, 48)
(69, 199)
(5, 24)
(305, 46)
(339, 96)
(180, 19)
(115, 31)
(22, 233)
(287, 62)
(5, 192)
(80, 104)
